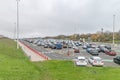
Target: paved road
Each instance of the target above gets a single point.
(108, 60)
(49, 53)
(63, 54)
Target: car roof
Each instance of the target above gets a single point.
(118, 56)
(81, 57)
(102, 45)
(96, 57)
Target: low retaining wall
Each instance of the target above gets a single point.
(33, 54)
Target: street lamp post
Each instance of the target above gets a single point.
(14, 31)
(113, 29)
(17, 30)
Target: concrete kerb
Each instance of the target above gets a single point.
(34, 55)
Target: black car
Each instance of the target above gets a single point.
(117, 59)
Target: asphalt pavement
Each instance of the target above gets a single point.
(64, 55)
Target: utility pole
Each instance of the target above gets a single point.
(113, 30)
(17, 30)
(14, 31)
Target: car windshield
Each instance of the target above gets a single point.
(93, 45)
(81, 59)
(98, 60)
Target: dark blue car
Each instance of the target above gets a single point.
(58, 46)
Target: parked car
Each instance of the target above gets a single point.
(96, 61)
(91, 45)
(64, 45)
(53, 46)
(58, 46)
(92, 51)
(117, 59)
(76, 50)
(35, 41)
(38, 44)
(74, 47)
(30, 41)
(110, 52)
(50, 45)
(102, 48)
(84, 47)
(70, 45)
(77, 43)
(80, 61)
(46, 46)
(108, 47)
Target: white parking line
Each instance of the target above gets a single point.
(107, 60)
(34, 45)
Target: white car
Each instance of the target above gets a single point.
(96, 61)
(84, 47)
(80, 61)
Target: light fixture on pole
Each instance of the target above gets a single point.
(17, 30)
(113, 29)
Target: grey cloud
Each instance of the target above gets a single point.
(54, 17)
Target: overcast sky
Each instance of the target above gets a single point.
(55, 17)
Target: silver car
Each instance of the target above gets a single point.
(96, 61)
(80, 61)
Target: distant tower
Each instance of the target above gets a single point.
(101, 30)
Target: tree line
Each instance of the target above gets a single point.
(106, 36)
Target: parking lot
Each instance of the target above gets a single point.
(68, 54)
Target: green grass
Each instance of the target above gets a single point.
(13, 63)
(15, 66)
(65, 70)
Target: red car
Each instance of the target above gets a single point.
(110, 52)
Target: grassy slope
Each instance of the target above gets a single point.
(15, 66)
(13, 63)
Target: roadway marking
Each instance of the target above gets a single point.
(46, 52)
(107, 60)
(34, 45)
(83, 50)
(54, 55)
(117, 51)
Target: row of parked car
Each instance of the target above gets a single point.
(94, 61)
(54, 43)
(95, 50)
(90, 48)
